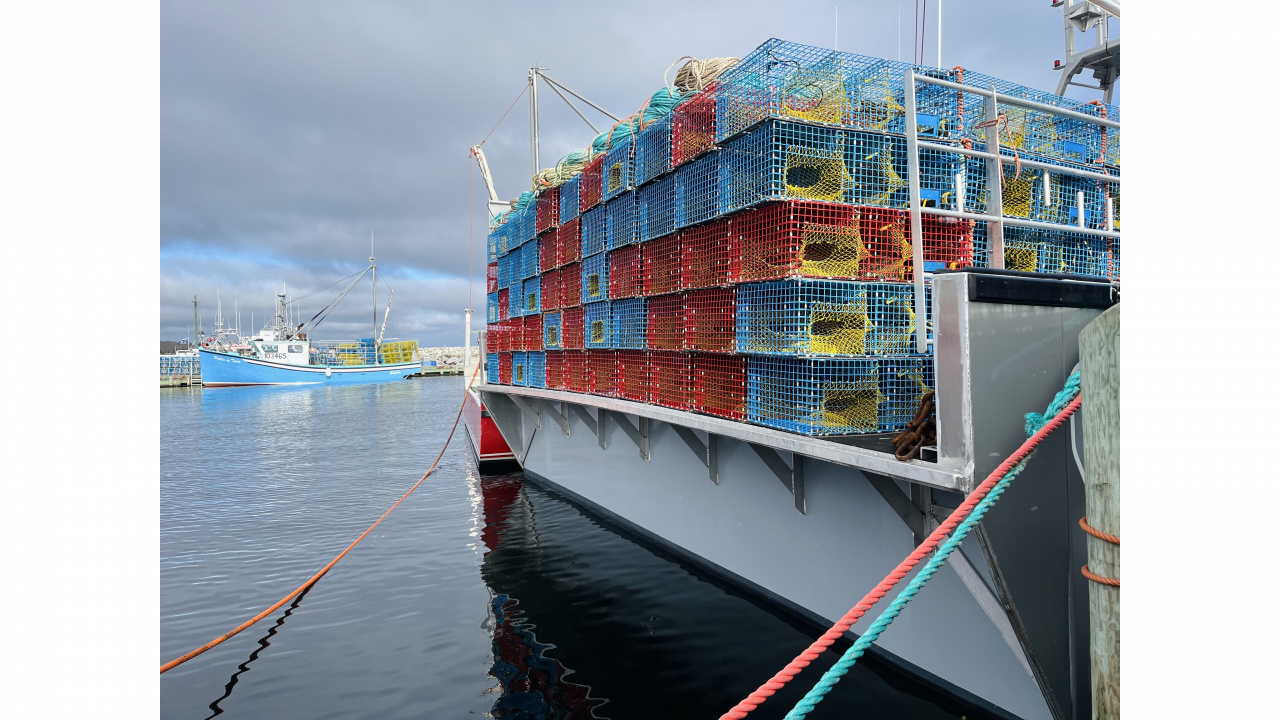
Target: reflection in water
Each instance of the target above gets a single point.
(623, 631)
(263, 643)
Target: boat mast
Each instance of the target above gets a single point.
(195, 302)
(375, 299)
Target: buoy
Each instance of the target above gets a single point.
(328, 372)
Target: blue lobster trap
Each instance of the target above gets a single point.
(623, 227)
(780, 160)
(653, 150)
(786, 80)
(657, 208)
(531, 259)
(598, 325)
(618, 174)
(553, 331)
(825, 317)
(536, 369)
(509, 270)
(491, 308)
(630, 320)
(570, 198)
(491, 368)
(837, 396)
(698, 190)
(594, 222)
(531, 294)
(1052, 251)
(520, 368)
(491, 247)
(595, 278)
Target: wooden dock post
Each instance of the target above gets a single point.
(1100, 388)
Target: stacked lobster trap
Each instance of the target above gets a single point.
(763, 252)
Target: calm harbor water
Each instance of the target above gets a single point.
(479, 596)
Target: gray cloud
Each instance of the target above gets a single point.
(291, 130)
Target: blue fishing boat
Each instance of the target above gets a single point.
(282, 354)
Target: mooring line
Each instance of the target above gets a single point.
(1039, 426)
(255, 619)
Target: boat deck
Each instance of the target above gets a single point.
(872, 453)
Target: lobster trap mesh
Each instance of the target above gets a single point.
(598, 325)
(665, 326)
(532, 293)
(551, 290)
(570, 200)
(693, 126)
(711, 257)
(555, 370)
(533, 332)
(569, 242)
(623, 226)
(491, 374)
(491, 277)
(593, 231)
(825, 317)
(595, 278)
(781, 160)
(491, 308)
(505, 363)
(589, 191)
(531, 259)
(844, 396)
(547, 210)
(504, 308)
(663, 260)
(630, 318)
(709, 320)
(671, 381)
(604, 372)
(633, 375)
(619, 170)
(536, 369)
(571, 285)
(698, 191)
(577, 371)
(571, 328)
(719, 385)
(550, 247)
(653, 150)
(658, 208)
(552, 331)
(626, 273)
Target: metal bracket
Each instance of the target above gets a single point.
(527, 446)
(707, 454)
(900, 503)
(561, 420)
(585, 417)
(792, 476)
(527, 410)
(639, 436)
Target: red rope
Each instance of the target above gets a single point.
(802, 660)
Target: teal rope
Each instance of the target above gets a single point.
(1034, 421)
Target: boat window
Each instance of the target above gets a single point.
(295, 348)
(270, 348)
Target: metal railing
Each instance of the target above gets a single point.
(994, 216)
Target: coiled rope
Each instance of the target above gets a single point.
(304, 586)
(1106, 537)
(1005, 471)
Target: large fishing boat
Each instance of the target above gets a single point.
(282, 354)
(787, 316)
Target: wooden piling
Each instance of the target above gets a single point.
(1100, 388)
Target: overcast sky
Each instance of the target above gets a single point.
(290, 131)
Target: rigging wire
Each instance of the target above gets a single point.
(326, 287)
(313, 323)
(504, 116)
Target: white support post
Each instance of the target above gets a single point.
(1080, 208)
(917, 229)
(995, 181)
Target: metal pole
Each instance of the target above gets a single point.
(375, 300)
(466, 348)
(939, 33)
(195, 339)
(917, 225)
(995, 181)
(1100, 387)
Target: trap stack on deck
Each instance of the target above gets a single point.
(749, 254)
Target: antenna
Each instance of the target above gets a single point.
(939, 33)
(836, 43)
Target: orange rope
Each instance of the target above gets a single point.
(252, 621)
(1100, 579)
(1113, 539)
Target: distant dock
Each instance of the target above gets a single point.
(434, 371)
